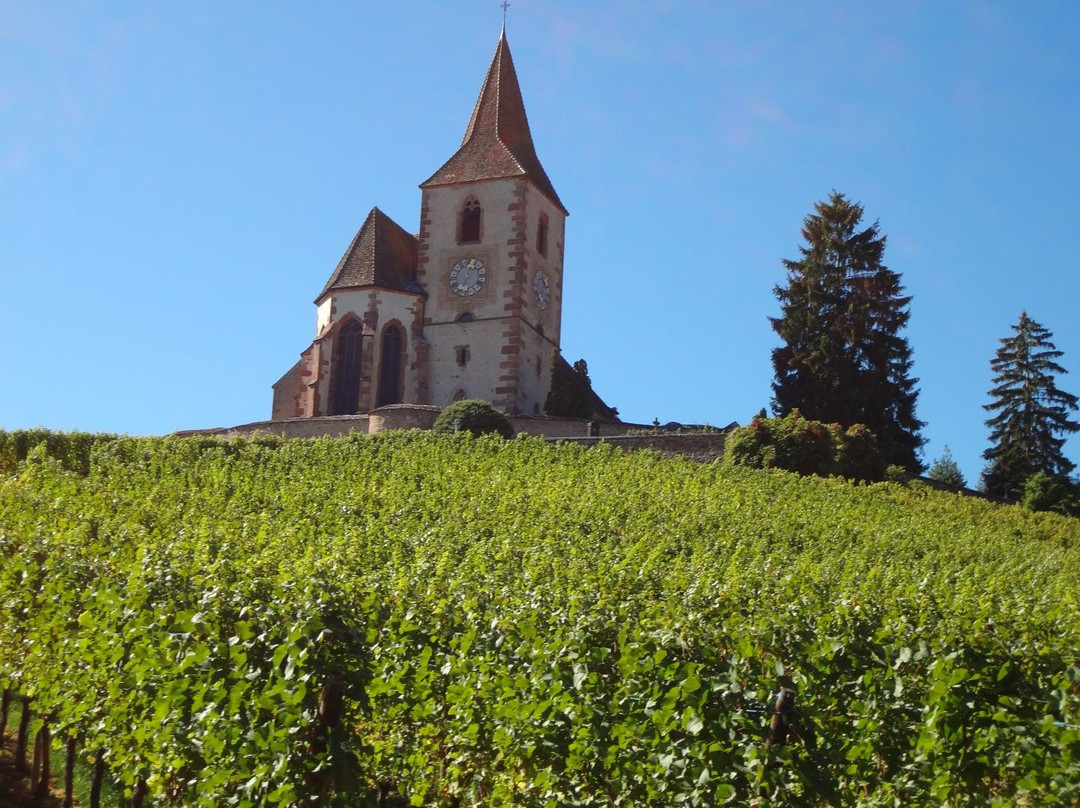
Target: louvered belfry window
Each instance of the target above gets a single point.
(542, 235)
(391, 363)
(347, 369)
(470, 222)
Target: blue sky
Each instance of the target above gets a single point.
(178, 180)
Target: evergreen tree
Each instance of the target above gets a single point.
(842, 359)
(946, 470)
(571, 390)
(1031, 413)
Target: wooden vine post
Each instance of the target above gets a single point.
(42, 769)
(331, 704)
(69, 773)
(787, 721)
(5, 705)
(24, 730)
(95, 780)
(138, 796)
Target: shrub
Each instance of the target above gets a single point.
(858, 456)
(797, 444)
(791, 442)
(475, 416)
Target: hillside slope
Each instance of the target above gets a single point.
(487, 622)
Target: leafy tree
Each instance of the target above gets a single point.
(473, 415)
(842, 359)
(1051, 492)
(946, 470)
(571, 389)
(1031, 413)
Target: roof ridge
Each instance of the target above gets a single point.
(381, 254)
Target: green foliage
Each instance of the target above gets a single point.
(842, 359)
(1031, 412)
(72, 449)
(514, 623)
(798, 444)
(1051, 492)
(475, 416)
(946, 470)
(571, 391)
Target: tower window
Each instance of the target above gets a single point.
(542, 234)
(462, 354)
(465, 317)
(469, 231)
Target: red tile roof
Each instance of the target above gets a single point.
(498, 142)
(381, 254)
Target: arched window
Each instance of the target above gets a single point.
(459, 395)
(345, 383)
(391, 365)
(542, 234)
(465, 317)
(470, 221)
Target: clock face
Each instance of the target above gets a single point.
(542, 289)
(467, 277)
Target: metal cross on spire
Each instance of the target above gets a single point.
(504, 5)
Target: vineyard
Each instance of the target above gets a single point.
(450, 621)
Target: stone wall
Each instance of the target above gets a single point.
(702, 447)
(291, 427)
(402, 416)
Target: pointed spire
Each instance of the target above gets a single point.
(497, 141)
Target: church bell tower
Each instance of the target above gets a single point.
(490, 256)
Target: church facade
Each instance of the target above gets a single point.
(467, 307)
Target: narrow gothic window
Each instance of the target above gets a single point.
(459, 395)
(345, 398)
(470, 221)
(541, 234)
(391, 364)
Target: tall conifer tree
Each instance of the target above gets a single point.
(842, 359)
(1031, 413)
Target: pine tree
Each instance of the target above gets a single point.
(946, 470)
(571, 390)
(1032, 414)
(842, 359)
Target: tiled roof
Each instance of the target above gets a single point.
(498, 142)
(382, 254)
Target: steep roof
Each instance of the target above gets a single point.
(497, 142)
(381, 254)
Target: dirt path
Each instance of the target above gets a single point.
(15, 788)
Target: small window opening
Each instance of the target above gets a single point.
(470, 221)
(462, 353)
(459, 395)
(465, 317)
(538, 367)
(542, 234)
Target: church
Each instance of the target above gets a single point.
(469, 306)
